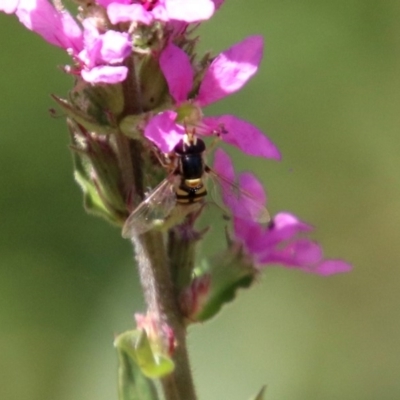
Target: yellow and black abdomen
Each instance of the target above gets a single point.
(191, 170)
(190, 191)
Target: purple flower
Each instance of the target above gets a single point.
(281, 242)
(98, 55)
(9, 6)
(55, 26)
(162, 10)
(226, 74)
(101, 52)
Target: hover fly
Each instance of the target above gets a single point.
(184, 191)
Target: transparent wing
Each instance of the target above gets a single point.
(151, 211)
(236, 201)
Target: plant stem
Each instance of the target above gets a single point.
(160, 297)
(153, 261)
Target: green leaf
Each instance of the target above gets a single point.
(229, 270)
(260, 394)
(132, 384)
(152, 363)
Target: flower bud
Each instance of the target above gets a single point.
(153, 87)
(97, 171)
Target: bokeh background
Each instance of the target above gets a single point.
(328, 94)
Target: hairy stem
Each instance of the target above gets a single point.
(153, 264)
(160, 297)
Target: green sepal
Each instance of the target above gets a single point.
(97, 173)
(137, 345)
(82, 118)
(92, 202)
(102, 103)
(132, 384)
(229, 271)
(128, 126)
(260, 395)
(153, 86)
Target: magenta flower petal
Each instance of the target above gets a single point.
(106, 3)
(286, 225)
(56, 27)
(303, 252)
(9, 6)
(176, 67)
(116, 46)
(330, 267)
(279, 243)
(251, 235)
(230, 71)
(218, 4)
(243, 135)
(245, 199)
(250, 184)
(105, 74)
(118, 12)
(160, 13)
(189, 10)
(71, 33)
(223, 165)
(299, 253)
(163, 131)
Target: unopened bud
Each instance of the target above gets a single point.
(193, 298)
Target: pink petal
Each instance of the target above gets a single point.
(250, 184)
(251, 199)
(118, 12)
(284, 227)
(224, 168)
(163, 131)
(243, 135)
(116, 46)
(106, 3)
(160, 13)
(251, 235)
(281, 229)
(304, 252)
(90, 33)
(230, 71)
(9, 6)
(223, 165)
(288, 225)
(176, 67)
(301, 253)
(71, 32)
(218, 4)
(330, 267)
(56, 27)
(105, 74)
(189, 10)
(247, 199)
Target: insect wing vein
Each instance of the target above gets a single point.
(240, 202)
(156, 207)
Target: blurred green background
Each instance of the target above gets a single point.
(328, 94)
